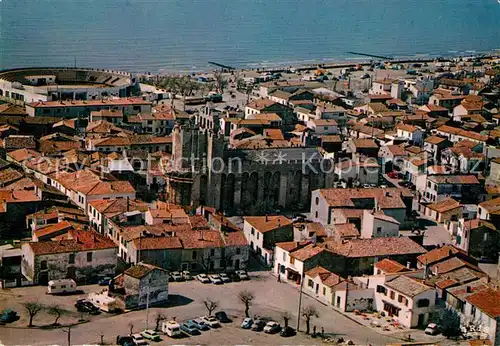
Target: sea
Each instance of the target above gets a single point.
(169, 36)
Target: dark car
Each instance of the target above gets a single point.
(8, 316)
(83, 305)
(258, 325)
(124, 340)
(234, 277)
(105, 281)
(190, 328)
(222, 317)
(287, 332)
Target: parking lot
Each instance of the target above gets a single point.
(186, 302)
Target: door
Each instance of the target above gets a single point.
(70, 274)
(43, 278)
(237, 264)
(421, 320)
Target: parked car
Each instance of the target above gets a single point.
(272, 327)
(287, 332)
(84, 305)
(151, 335)
(211, 321)
(176, 276)
(203, 278)
(124, 340)
(139, 340)
(258, 325)
(224, 277)
(105, 281)
(432, 329)
(186, 275)
(222, 317)
(8, 316)
(215, 279)
(247, 323)
(242, 274)
(190, 328)
(234, 277)
(200, 324)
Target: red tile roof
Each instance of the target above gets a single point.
(390, 198)
(444, 205)
(307, 252)
(488, 301)
(439, 254)
(375, 247)
(389, 266)
(80, 241)
(265, 224)
(54, 229)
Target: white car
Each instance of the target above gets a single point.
(151, 335)
(215, 279)
(211, 321)
(139, 340)
(224, 277)
(203, 278)
(272, 327)
(432, 329)
(176, 276)
(187, 275)
(242, 275)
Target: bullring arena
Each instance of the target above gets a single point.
(26, 85)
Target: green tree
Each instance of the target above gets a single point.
(57, 312)
(308, 313)
(33, 308)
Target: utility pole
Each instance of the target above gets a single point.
(69, 335)
(147, 305)
(300, 302)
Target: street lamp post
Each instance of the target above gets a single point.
(300, 301)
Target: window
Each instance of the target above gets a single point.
(379, 230)
(238, 250)
(310, 283)
(282, 269)
(422, 303)
(212, 252)
(324, 290)
(400, 298)
(393, 294)
(89, 256)
(257, 235)
(316, 214)
(381, 289)
(253, 231)
(292, 260)
(193, 255)
(43, 265)
(317, 200)
(284, 256)
(71, 258)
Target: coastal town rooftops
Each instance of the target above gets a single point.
(290, 246)
(487, 300)
(444, 205)
(364, 143)
(439, 254)
(157, 243)
(451, 264)
(53, 229)
(328, 278)
(374, 247)
(140, 270)
(346, 230)
(409, 286)
(390, 266)
(126, 101)
(307, 252)
(407, 128)
(76, 241)
(265, 224)
(453, 179)
(261, 104)
(492, 206)
(112, 207)
(390, 198)
(434, 140)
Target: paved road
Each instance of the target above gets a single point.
(272, 298)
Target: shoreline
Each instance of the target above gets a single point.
(308, 65)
